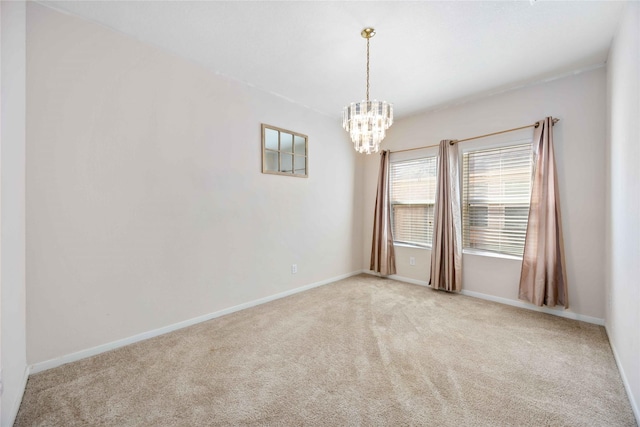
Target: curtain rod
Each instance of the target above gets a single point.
(535, 125)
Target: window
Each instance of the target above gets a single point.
(412, 188)
(495, 198)
(284, 152)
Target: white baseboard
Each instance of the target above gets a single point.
(409, 280)
(521, 304)
(83, 354)
(627, 387)
(398, 278)
(507, 301)
(16, 405)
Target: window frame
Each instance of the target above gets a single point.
(501, 141)
(406, 157)
(280, 152)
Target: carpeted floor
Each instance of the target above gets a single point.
(363, 351)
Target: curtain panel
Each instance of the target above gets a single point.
(543, 279)
(383, 259)
(446, 250)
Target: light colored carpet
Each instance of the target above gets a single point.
(363, 351)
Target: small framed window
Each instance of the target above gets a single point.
(284, 152)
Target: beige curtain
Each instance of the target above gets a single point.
(446, 250)
(383, 258)
(543, 279)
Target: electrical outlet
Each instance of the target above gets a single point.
(412, 260)
(294, 268)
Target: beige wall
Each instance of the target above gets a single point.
(145, 205)
(623, 204)
(579, 101)
(145, 201)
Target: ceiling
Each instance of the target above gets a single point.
(425, 54)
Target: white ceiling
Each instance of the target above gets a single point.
(425, 55)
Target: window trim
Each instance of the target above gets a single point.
(502, 141)
(406, 157)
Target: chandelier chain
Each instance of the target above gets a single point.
(368, 68)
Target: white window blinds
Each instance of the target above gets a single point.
(496, 193)
(412, 187)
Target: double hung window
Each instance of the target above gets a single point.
(412, 188)
(496, 191)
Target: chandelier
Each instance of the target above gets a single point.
(367, 121)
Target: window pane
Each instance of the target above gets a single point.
(286, 142)
(413, 224)
(300, 146)
(299, 163)
(286, 163)
(271, 139)
(412, 185)
(414, 181)
(496, 193)
(271, 160)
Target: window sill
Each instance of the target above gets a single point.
(408, 245)
(490, 254)
(464, 251)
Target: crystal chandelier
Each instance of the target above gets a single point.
(367, 121)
